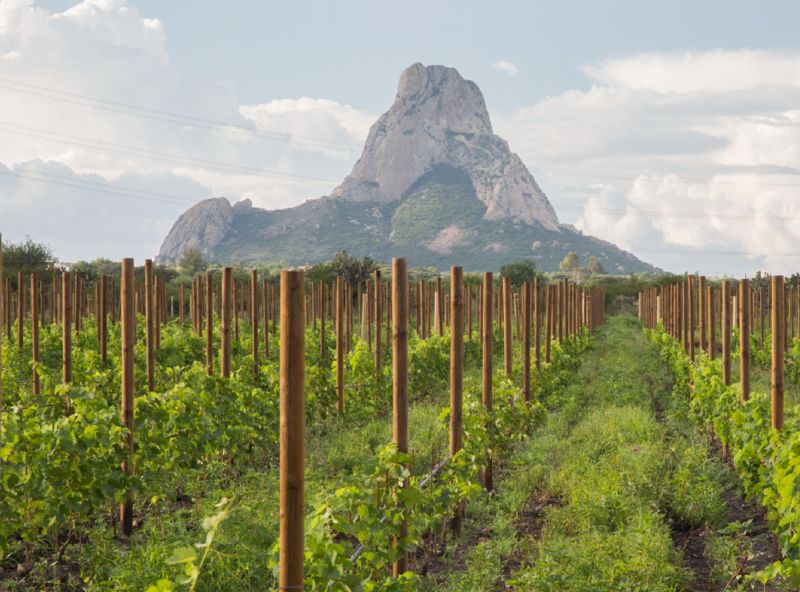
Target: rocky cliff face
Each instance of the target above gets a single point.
(203, 226)
(438, 118)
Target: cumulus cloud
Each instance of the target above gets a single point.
(686, 159)
(92, 89)
(507, 67)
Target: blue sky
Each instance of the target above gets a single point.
(671, 129)
(352, 52)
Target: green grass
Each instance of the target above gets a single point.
(613, 470)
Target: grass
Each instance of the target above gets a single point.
(591, 501)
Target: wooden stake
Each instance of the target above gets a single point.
(340, 343)
(35, 332)
(486, 338)
(225, 350)
(378, 317)
(744, 338)
(292, 429)
(148, 311)
(508, 352)
(128, 329)
(456, 369)
(776, 371)
(209, 323)
(526, 341)
(254, 318)
(726, 332)
(400, 373)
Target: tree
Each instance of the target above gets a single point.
(351, 269)
(519, 272)
(594, 266)
(192, 262)
(570, 262)
(27, 257)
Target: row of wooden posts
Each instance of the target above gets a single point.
(689, 309)
(563, 307)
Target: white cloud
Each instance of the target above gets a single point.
(507, 67)
(55, 66)
(676, 153)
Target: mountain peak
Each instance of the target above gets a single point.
(440, 118)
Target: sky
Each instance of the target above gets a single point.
(670, 129)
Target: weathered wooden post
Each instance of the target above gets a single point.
(537, 321)
(526, 341)
(744, 338)
(378, 318)
(292, 430)
(20, 309)
(254, 318)
(726, 332)
(225, 349)
(712, 324)
(508, 352)
(148, 311)
(35, 332)
(209, 323)
(102, 318)
(340, 343)
(400, 373)
(456, 369)
(776, 370)
(128, 320)
(486, 338)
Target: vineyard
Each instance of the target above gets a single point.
(241, 432)
(137, 433)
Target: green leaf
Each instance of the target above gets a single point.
(182, 555)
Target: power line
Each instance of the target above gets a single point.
(167, 116)
(102, 187)
(155, 155)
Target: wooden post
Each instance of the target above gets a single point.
(292, 429)
(712, 323)
(438, 309)
(744, 338)
(148, 311)
(486, 338)
(701, 292)
(225, 350)
(726, 332)
(378, 318)
(400, 372)
(254, 318)
(340, 343)
(35, 332)
(20, 309)
(508, 351)
(102, 318)
(66, 328)
(776, 374)
(209, 323)
(550, 321)
(456, 368)
(526, 341)
(691, 303)
(537, 321)
(128, 320)
(322, 320)
(265, 303)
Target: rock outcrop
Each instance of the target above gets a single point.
(434, 184)
(203, 226)
(440, 118)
